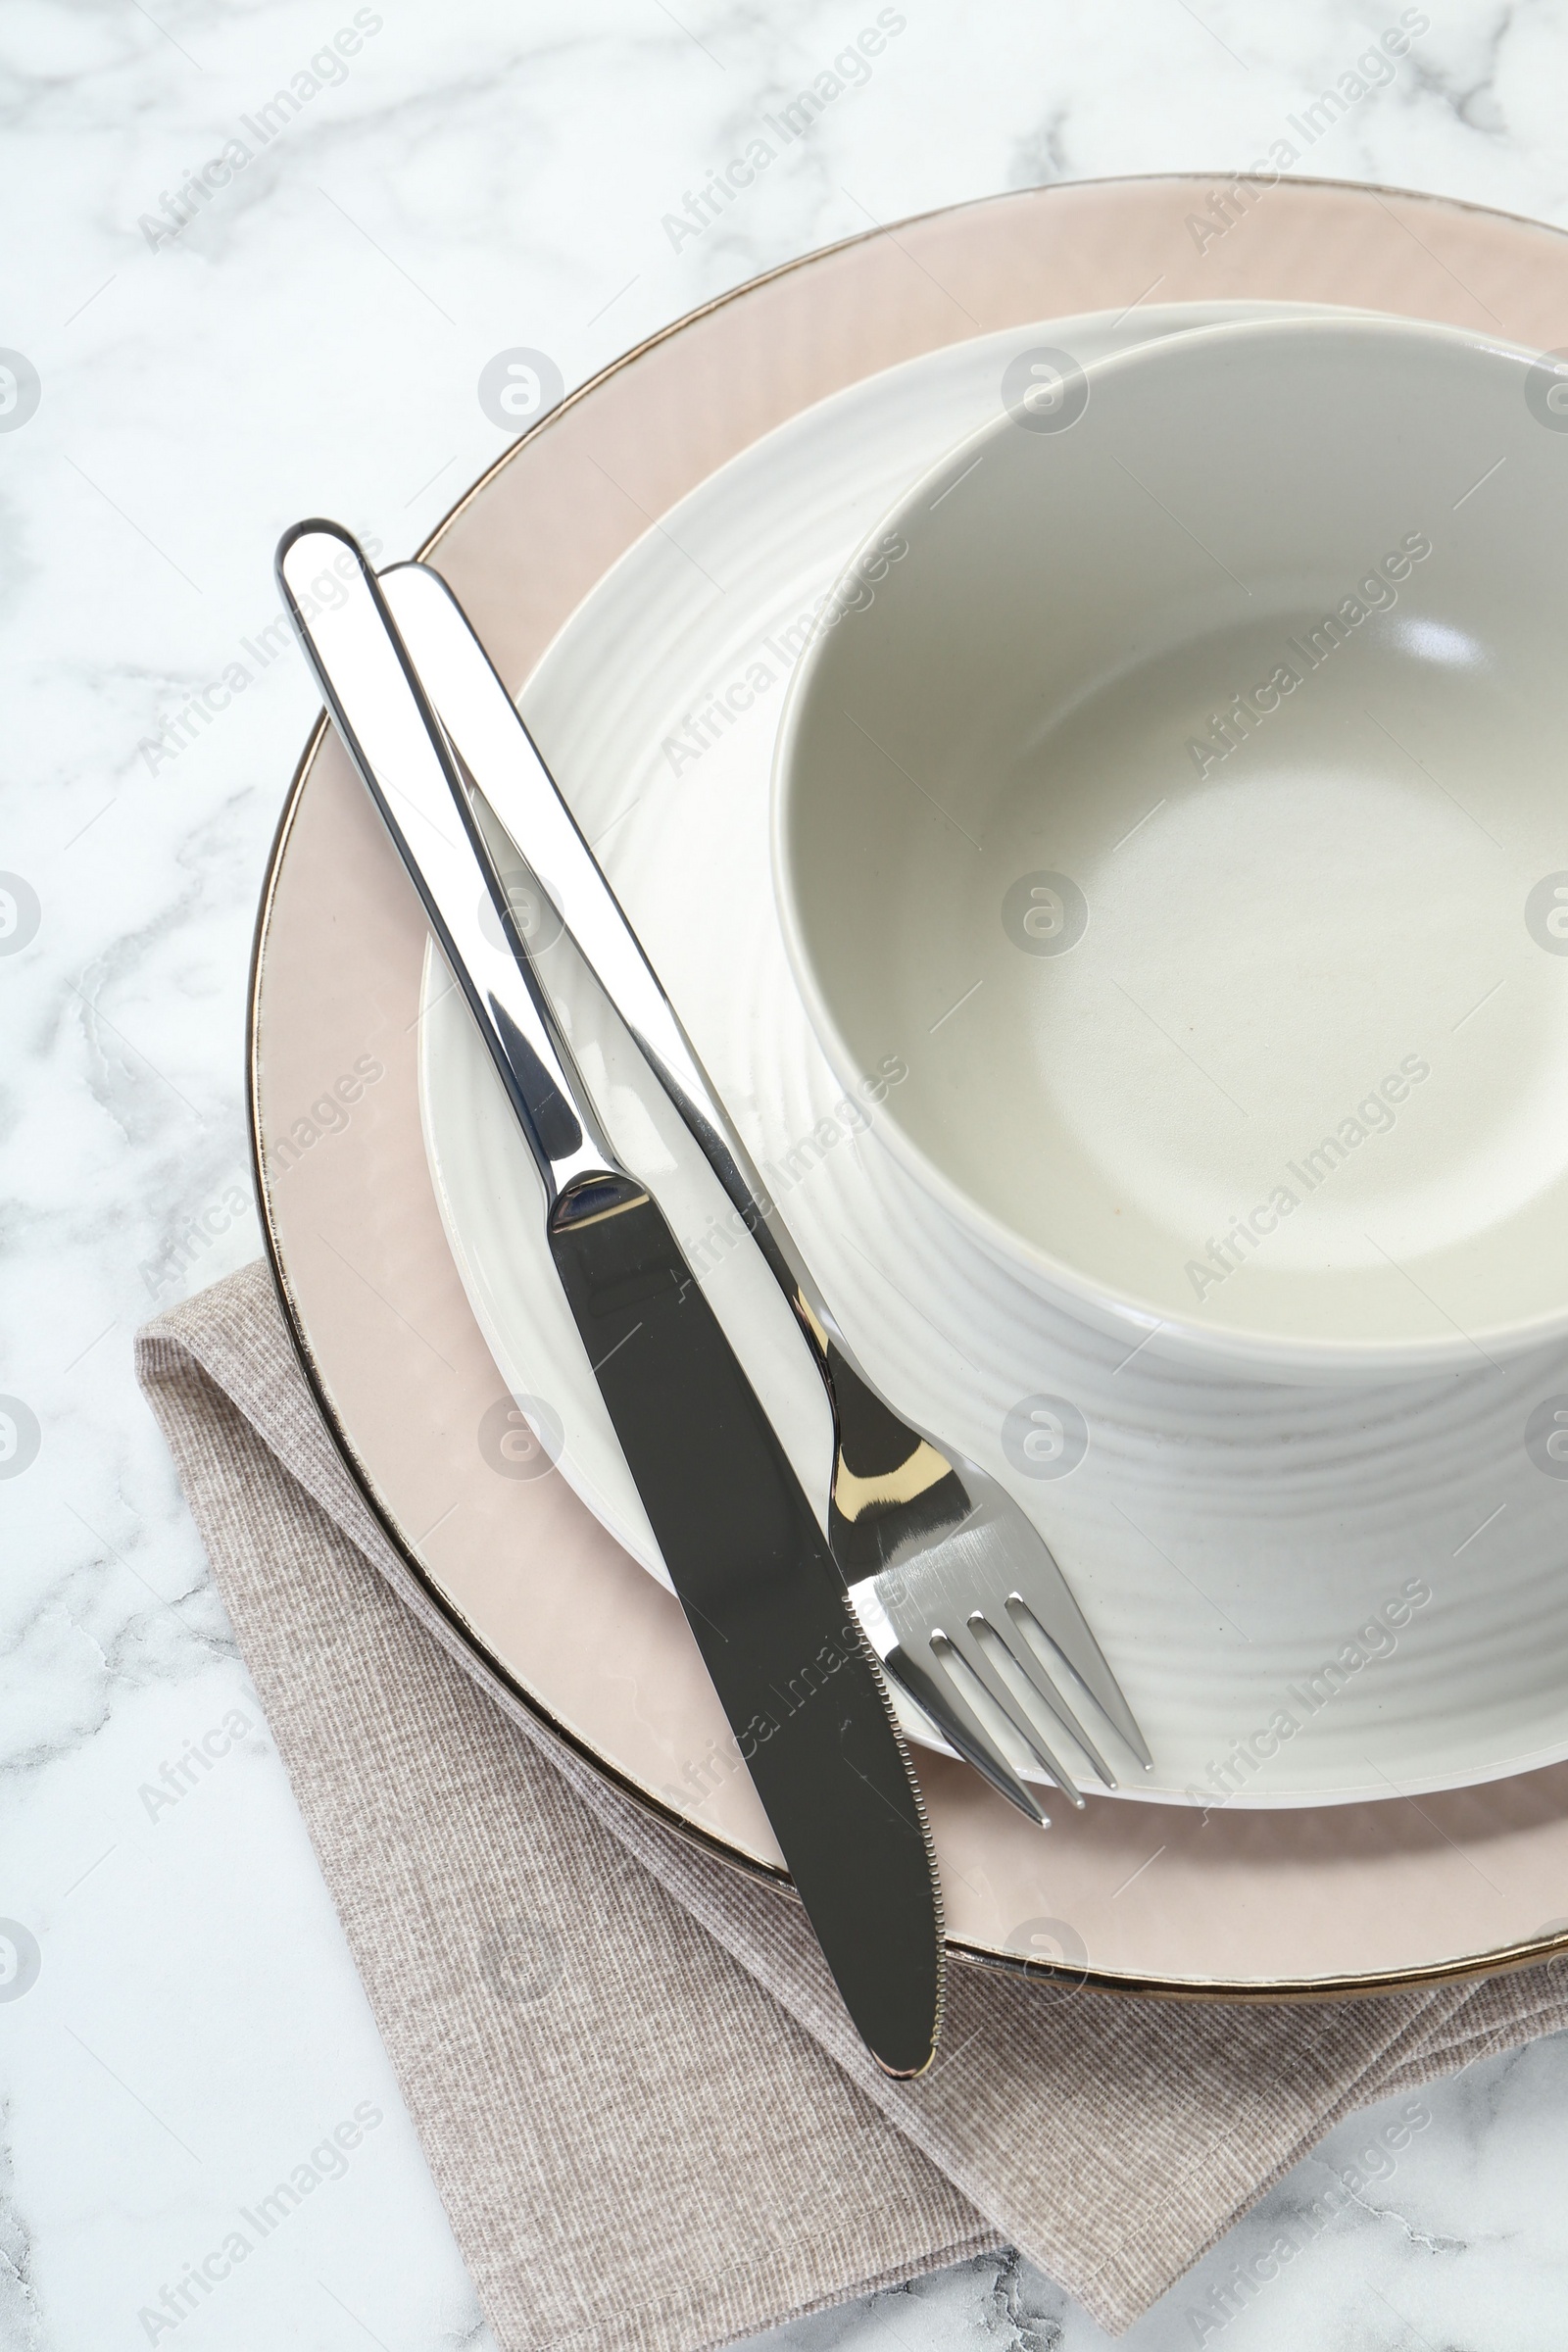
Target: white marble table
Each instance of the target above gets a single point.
(446, 184)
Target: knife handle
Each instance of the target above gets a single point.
(396, 742)
(491, 738)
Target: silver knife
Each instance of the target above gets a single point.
(797, 1682)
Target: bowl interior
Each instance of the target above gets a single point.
(1181, 790)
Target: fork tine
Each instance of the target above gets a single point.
(973, 1655)
(1014, 1640)
(936, 1693)
(1024, 1613)
(901, 1635)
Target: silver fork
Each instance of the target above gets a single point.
(958, 1591)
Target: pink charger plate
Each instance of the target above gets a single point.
(1137, 1897)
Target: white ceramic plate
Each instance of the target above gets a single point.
(1385, 1616)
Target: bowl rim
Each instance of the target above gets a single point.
(1300, 1355)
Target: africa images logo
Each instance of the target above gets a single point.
(1373, 1116)
(327, 70)
(1245, 714)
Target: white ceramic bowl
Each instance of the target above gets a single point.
(1179, 785)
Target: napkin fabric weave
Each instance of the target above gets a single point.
(649, 2122)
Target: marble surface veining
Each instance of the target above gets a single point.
(178, 2018)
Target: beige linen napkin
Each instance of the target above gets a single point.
(648, 2120)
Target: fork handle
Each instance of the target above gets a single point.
(887, 1479)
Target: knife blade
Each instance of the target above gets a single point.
(803, 1695)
